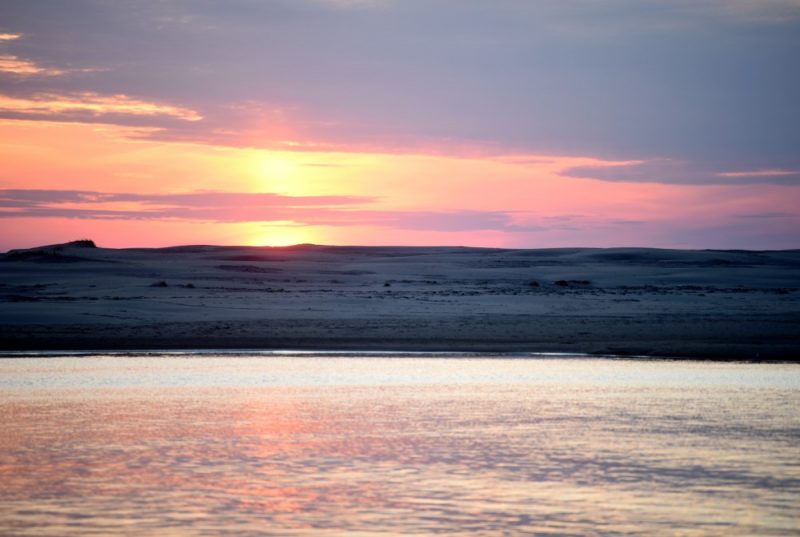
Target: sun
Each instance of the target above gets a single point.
(278, 166)
(283, 234)
(278, 172)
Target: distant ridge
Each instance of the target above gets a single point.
(80, 243)
(53, 253)
(617, 253)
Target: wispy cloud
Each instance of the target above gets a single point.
(17, 66)
(761, 173)
(232, 207)
(673, 171)
(189, 199)
(11, 64)
(191, 206)
(53, 106)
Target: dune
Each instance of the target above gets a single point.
(720, 304)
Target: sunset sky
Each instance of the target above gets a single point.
(507, 123)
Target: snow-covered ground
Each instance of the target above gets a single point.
(721, 304)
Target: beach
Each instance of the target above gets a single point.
(613, 301)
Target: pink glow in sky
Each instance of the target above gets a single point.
(331, 122)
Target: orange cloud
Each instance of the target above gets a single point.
(50, 104)
(17, 66)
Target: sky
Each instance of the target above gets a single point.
(496, 123)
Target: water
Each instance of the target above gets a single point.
(337, 445)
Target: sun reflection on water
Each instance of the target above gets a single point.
(217, 455)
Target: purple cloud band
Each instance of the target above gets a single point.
(670, 171)
(232, 207)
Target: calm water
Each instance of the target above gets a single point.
(337, 445)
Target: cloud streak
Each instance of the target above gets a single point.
(670, 171)
(17, 66)
(14, 65)
(54, 106)
(233, 207)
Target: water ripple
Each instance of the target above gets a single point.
(530, 448)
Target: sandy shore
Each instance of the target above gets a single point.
(699, 304)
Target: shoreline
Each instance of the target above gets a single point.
(383, 354)
(751, 339)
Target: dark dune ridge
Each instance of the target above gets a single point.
(730, 304)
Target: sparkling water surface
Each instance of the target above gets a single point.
(373, 445)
